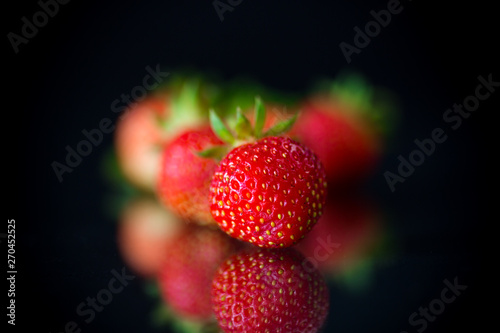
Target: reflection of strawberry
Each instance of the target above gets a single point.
(184, 177)
(346, 233)
(145, 231)
(269, 291)
(139, 138)
(344, 127)
(190, 262)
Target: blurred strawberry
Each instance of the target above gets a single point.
(147, 125)
(186, 276)
(145, 231)
(348, 231)
(184, 177)
(346, 127)
(138, 138)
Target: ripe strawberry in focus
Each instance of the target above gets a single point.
(190, 263)
(346, 126)
(138, 139)
(269, 190)
(184, 177)
(269, 193)
(145, 231)
(269, 291)
(347, 233)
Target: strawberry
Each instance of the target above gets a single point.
(147, 125)
(137, 139)
(346, 148)
(145, 231)
(345, 236)
(269, 191)
(269, 290)
(184, 177)
(190, 263)
(342, 126)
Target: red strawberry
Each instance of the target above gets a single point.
(345, 235)
(147, 125)
(269, 291)
(145, 231)
(184, 177)
(346, 146)
(269, 193)
(343, 127)
(138, 138)
(190, 263)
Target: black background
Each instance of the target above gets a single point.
(65, 78)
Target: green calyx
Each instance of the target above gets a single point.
(375, 104)
(243, 131)
(241, 91)
(189, 97)
(164, 316)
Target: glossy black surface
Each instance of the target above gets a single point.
(66, 77)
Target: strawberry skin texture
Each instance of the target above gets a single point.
(268, 290)
(269, 193)
(190, 263)
(345, 143)
(184, 178)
